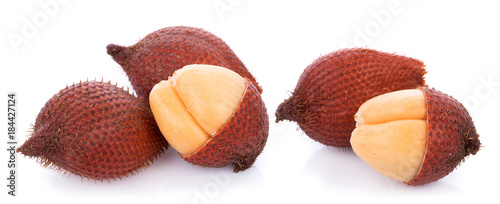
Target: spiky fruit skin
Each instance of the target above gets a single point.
(331, 89)
(159, 54)
(451, 137)
(96, 130)
(241, 139)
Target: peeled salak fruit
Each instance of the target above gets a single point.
(155, 57)
(212, 116)
(96, 130)
(331, 89)
(416, 136)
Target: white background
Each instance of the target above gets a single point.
(64, 44)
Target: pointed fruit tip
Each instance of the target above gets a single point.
(114, 50)
(291, 109)
(244, 163)
(28, 150)
(279, 113)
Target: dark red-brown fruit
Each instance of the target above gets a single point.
(331, 89)
(159, 54)
(241, 139)
(451, 137)
(96, 130)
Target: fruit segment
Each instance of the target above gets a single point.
(192, 105)
(395, 149)
(175, 122)
(397, 105)
(391, 133)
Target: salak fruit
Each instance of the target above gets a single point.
(155, 57)
(212, 116)
(332, 88)
(416, 136)
(96, 130)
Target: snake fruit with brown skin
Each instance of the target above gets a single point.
(416, 136)
(155, 57)
(212, 116)
(331, 89)
(95, 130)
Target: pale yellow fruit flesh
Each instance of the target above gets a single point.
(192, 105)
(395, 149)
(397, 105)
(391, 133)
(210, 95)
(177, 125)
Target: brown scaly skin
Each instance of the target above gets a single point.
(159, 54)
(332, 88)
(451, 137)
(95, 130)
